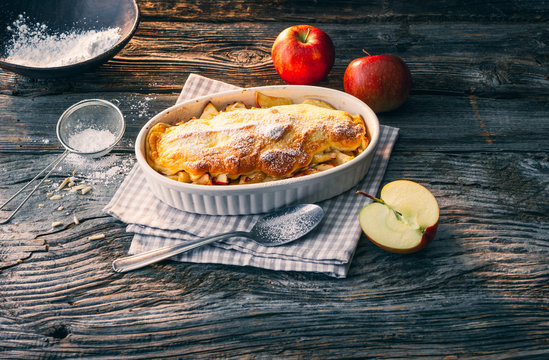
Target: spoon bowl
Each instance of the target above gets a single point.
(286, 225)
(275, 229)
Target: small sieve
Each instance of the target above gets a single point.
(96, 123)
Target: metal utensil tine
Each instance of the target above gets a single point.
(50, 166)
(56, 161)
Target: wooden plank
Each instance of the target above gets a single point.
(483, 278)
(427, 122)
(471, 186)
(511, 63)
(346, 11)
(29, 123)
(474, 131)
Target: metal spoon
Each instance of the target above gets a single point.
(279, 228)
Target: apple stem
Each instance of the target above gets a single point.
(370, 196)
(397, 213)
(307, 35)
(367, 53)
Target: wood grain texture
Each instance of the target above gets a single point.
(481, 281)
(346, 11)
(502, 60)
(474, 131)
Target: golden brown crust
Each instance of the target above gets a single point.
(274, 141)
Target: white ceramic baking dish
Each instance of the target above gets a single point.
(262, 197)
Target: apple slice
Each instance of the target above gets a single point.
(236, 105)
(221, 179)
(183, 176)
(209, 111)
(318, 103)
(266, 101)
(205, 179)
(403, 220)
(252, 179)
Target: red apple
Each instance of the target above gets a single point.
(383, 82)
(403, 220)
(303, 55)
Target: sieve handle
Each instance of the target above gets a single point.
(52, 165)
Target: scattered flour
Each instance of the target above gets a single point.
(141, 106)
(107, 170)
(33, 44)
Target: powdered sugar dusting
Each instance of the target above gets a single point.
(346, 130)
(275, 141)
(34, 44)
(91, 140)
(293, 223)
(273, 132)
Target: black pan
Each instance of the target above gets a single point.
(67, 15)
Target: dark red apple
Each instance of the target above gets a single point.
(383, 82)
(303, 55)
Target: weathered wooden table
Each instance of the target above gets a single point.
(475, 130)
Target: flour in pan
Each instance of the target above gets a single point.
(35, 45)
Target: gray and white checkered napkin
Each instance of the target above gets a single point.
(328, 249)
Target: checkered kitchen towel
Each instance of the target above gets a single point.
(328, 249)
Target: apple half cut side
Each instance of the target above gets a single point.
(403, 220)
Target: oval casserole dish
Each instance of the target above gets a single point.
(261, 197)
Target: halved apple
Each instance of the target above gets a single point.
(403, 220)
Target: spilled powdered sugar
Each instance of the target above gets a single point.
(107, 170)
(141, 106)
(35, 45)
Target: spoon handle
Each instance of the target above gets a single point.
(137, 261)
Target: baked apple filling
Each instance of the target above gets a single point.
(240, 145)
